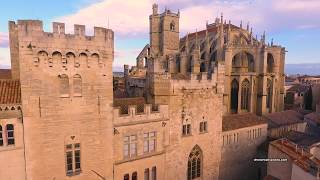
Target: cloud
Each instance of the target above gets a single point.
(131, 18)
(4, 40)
(4, 58)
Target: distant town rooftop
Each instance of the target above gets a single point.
(300, 157)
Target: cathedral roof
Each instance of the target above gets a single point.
(10, 91)
(238, 121)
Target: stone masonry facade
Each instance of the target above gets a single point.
(66, 125)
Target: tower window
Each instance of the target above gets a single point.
(135, 176)
(10, 134)
(1, 138)
(126, 177)
(186, 128)
(130, 146)
(149, 144)
(203, 127)
(64, 86)
(73, 159)
(77, 83)
(172, 26)
(146, 174)
(154, 173)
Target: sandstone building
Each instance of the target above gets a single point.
(201, 95)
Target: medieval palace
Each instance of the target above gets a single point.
(192, 108)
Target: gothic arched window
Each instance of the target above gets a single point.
(172, 26)
(195, 163)
(269, 93)
(43, 56)
(70, 58)
(270, 63)
(57, 57)
(64, 85)
(84, 59)
(203, 67)
(95, 58)
(245, 95)
(234, 96)
(77, 84)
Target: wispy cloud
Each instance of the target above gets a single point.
(4, 57)
(4, 40)
(131, 18)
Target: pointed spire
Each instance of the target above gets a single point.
(221, 18)
(251, 31)
(241, 24)
(272, 42)
(178, 12)
(248, 26)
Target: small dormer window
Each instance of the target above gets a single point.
(172, 26)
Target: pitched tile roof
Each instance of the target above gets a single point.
(300, 157)
(5, 73)
(10, 91)
(314, 117)
(302, 139)
(278, 119)
(238, 121)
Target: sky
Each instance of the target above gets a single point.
(294, 24)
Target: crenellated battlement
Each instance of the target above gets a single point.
(35, 28)
(195, 81)
(135, 114)
(57, 50)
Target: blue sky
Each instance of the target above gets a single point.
(294, 24)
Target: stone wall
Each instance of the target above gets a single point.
(66, 90)
(240, 148)
(12, 166)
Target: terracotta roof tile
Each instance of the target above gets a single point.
(237, 121)
(314, 117)
(302, 158)
(284, 118)
(5, 73)
(10, 92)
(302, 139)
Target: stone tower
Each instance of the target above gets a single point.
(66, 92)
(164, 32)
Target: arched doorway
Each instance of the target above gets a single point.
(195, 163)
(234, 96)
